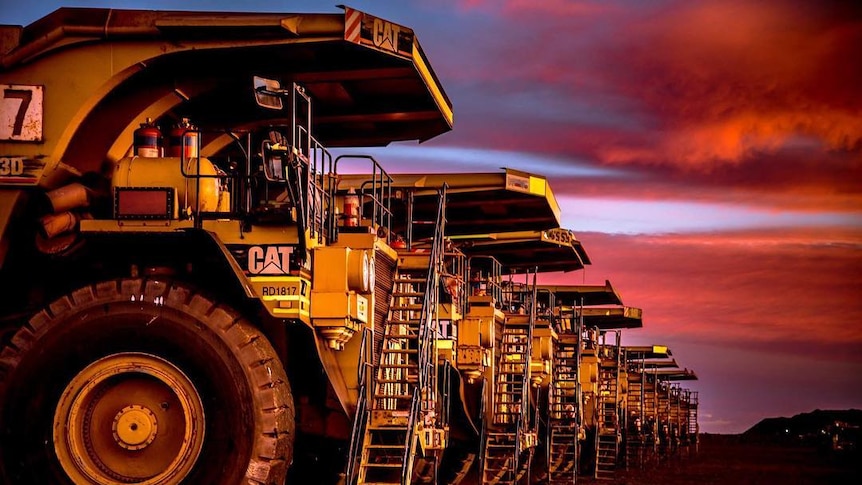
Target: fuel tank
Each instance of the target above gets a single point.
(204, 192)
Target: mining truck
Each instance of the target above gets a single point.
(638, 439)
(492, 332)
(675, 411)
(189, 295)
(588, 393)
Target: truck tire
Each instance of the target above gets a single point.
(143, 381)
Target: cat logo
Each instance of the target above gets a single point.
(365, 29)
(273, 260)
(385, 35)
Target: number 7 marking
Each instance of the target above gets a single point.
(25, 97)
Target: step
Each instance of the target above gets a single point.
(382, 465)
(414, 335)
(407, 380)
(393, 396)
(408, 307)
(500, 446)
(408, 280)
(402, 429)
(411, 322)
(399, 447)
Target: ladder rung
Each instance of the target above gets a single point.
(412, 322)
(407, 279)
(408, 307)
(401, 335)
(407, 380)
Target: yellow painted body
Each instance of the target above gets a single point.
(543, 354)
(343, 302)
(476, 337)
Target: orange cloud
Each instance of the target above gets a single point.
(727, 81)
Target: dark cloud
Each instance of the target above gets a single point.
(760, 314)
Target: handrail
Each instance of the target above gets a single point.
(320, 167)
(410, 442)
(447, 398)
(427, 363)
(488, 280)
(359, 420)
(524, 424)
(379, 193)
(482, 432)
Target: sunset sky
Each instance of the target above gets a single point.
(707, 153)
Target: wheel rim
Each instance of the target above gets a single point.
(129, 418)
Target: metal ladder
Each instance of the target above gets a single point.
(635, 420)
(607, 442)
(502, 446)
(388, 434)
(693, 426)
(650, 401)
(564, 412)
(405, 386)
(663, 418)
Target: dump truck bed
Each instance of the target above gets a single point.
(612, 318)
(550, 250)
(98, 73)
(638, 353)
(478, 204)
(586, 295)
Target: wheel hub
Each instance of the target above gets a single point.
(134, 427)
(129, 418)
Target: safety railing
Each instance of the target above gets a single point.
(377, 192)
(361, 416)
(486, 277)
(425, 404)
(316, 178)
(410, 437)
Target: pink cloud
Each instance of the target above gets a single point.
(770, 290)
(727, 81)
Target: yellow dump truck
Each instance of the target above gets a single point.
(186, 297)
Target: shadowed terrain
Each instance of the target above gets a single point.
(731, 459)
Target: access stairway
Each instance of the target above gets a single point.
(634, 437)
(505, 441)
(389, 444)
(404, 413)
(651, 432)
(693, 427)
(607, 442)
(564, 412)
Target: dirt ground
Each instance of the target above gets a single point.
(726, 459)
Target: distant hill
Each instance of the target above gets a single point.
(816, 427)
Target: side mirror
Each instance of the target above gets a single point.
(268, 93)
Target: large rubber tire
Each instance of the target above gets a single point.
(231, 369)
